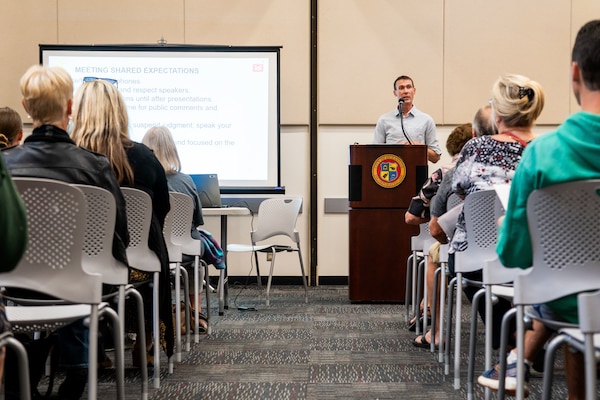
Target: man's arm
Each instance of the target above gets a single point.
(412, 219)
(432, 156)
(436, 231)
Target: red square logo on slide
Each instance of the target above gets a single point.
(257, 67)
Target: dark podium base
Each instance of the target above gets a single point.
(379, 246)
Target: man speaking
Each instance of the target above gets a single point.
(406, 124)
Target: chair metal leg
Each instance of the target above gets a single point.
(93, 353)
(434, 308)
(504, 334)
(142, 338)
(7, 339)
(590, 367)
(177, 314)
(268, 300)
(520, 352)
(303, 275)
(221, 290)
(417, 306)
(457, 330)
(186, 296)
(196, 300)
(258, 278)
(442, 291)
(451, 287)
(549, 358)
(207, 299)
(408, 289)
(156, 332)
(473, 342)
(118, 339)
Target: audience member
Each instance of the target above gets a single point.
(160, 140)
(407, 124)
(575, 144)
(439, 207)
(418, 209)
(100, 124)
(482, 123)
(516, 103)
(11, 128)
(49, 153)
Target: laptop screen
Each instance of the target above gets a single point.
(208, 189)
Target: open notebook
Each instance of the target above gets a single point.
(208, 189)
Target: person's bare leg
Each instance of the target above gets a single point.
(535, 339)
(574, 373)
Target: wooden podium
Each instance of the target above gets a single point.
(382, 180)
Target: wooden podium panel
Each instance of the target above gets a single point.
(379, 241)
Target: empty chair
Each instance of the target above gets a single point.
(52, 265)
(276, 216)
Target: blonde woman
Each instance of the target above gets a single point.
(100, 124)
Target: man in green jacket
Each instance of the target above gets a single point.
(570, 153)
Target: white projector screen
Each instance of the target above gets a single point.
(221, 103)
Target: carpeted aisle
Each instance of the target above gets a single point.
(326, 349)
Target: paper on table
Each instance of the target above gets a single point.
(503, 191)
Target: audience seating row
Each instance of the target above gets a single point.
(566, 261)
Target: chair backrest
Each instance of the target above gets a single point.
(417, 243)
(588, 305)
(173, 231)
(453, 201)
(99, 232)
(277, 216)
(179, 223)
(52, 263)
(139, 218)
(564, 223)
(482, 231)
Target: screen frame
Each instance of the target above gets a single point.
(46, 50)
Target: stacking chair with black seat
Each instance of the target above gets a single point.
(98, 258)
(276, 216)
(563, 223)
(53, 265)
(139, 255)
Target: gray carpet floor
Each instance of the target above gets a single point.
(328, 348)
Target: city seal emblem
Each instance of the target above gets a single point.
(388, 171)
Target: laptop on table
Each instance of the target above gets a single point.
(207, 186)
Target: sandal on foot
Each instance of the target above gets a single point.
(422, 342)
(202, 323)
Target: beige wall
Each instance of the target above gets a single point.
(453, 49)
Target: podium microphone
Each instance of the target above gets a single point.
(401, 109)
